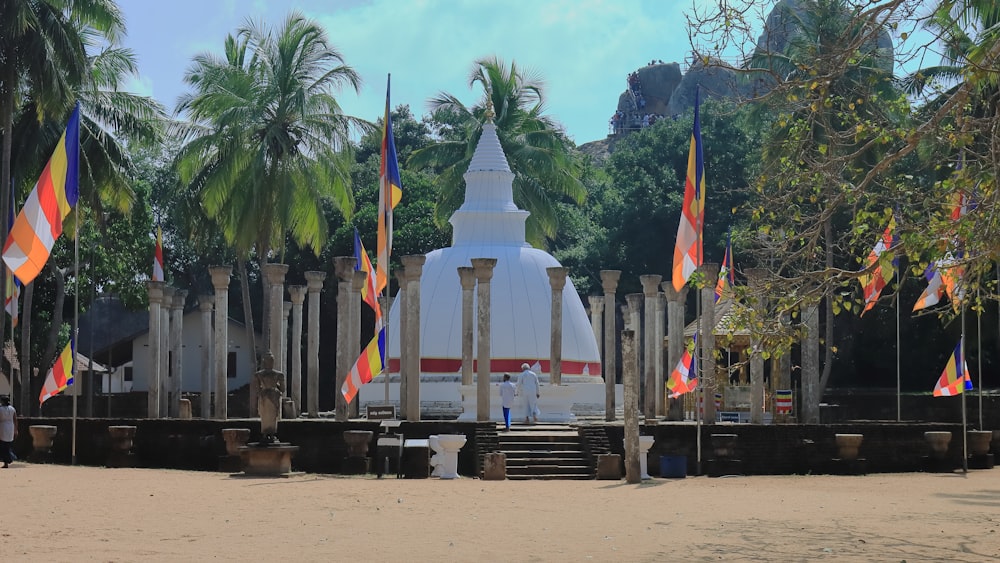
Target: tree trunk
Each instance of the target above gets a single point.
(828, 324)
(26, 405)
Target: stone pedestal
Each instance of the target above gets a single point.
(451, 444)
(848, 461)
(936, 461)
(979, 449)
(234, 438)
(609, 467)
(121, 454)
(184, 409)
(42, 437)
(645, 443)
(724, 461)
(357, 462)
(288, 409)
(495, 466)
(267, 459)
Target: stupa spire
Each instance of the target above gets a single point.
(488, 215)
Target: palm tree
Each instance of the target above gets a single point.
(267, 142)
(538, 152)
(43, 56)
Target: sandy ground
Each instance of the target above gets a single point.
(60, 513)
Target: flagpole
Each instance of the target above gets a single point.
(899, 388)
(965, 441)
(76, 327)
(386, 196)
(979, 359)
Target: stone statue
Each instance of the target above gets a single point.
(270, 390)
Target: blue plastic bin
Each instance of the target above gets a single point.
(673, 466)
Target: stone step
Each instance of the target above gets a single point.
(550, 476)
(534, 445)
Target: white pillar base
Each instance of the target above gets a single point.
(451, 444)
(645, 443)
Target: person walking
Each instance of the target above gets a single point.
(8, 431)
(527, 385)
(507, 392)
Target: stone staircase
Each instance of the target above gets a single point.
(545, 451)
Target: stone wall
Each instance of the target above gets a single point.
(197, 444)
(781, 449)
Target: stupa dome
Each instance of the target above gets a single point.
(490, 225)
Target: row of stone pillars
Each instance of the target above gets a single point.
(166, 310)
(649, 335)
(652, 389)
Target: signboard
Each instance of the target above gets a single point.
(381, 412)
(728, 416)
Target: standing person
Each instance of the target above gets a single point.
(527, 385)
(507, 392)
(8, 431)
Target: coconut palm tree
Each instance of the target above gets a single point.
(267, 142)
(538, 152)
(43, 56)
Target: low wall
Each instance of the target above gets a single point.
(197, 444)
(782, 449)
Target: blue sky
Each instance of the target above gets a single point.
(582, 48)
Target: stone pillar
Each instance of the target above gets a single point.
(344, 268)
(675, 341)
(484, 273)
(597, 321)
(177, 351)
(609, 282)
(658, 328)
(706, 380)
(314, 285)
(166, 345)
(286, 311)
(414, 266)
(630, 383)
(781, 367)
(205, 306)
(297, 293)
(154, 376)
(557, 279)
(755, 281)
(809, 403)
(651, 294)
(274, 287)
(357, 284)
(275, 276)
(634, 316)
(404, 362)
(467, 277)
(220, 345)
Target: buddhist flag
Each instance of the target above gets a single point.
(41, 219)
(368, 293)
(389, 193)
(727, 274)
(684, 378)
(158, 256)
(368, 365)
(955, 377)
(61, 374)
(688, 251)
(934, 291)
(873, 283)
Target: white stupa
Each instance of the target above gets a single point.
(490, 225)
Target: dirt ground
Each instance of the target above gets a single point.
(61, 513)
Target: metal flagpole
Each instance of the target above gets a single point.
(76, 327)
(979, 369)
(965, 441)
(899, 387)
